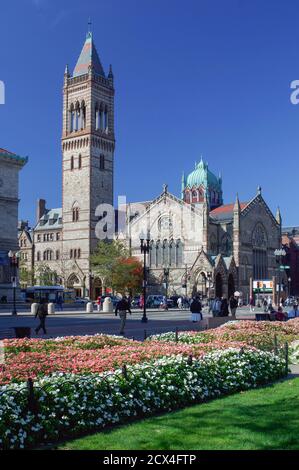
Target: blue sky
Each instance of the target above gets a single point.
(192, 78)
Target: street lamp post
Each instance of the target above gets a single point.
(166, 280)
(144, 248)
(187, 277)
(279, 253)
(289, 286)
(14, 263)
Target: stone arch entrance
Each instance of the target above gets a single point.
(218, 285)
(230, 285)
(201, 284)
(74, 282)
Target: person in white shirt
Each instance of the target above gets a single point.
(294, 312)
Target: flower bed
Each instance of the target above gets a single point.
(26, 358)
(260, 334)
(70, 404)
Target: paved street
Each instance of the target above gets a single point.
(80, 323)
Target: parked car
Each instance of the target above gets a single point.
(82, 300)
(154, 301)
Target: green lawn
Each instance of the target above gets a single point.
(267, 418)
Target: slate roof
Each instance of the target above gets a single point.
(88, 57)
(51, 220)
(226, 211)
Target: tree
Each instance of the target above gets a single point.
(46, 276)
(128, 275)
(105, 259)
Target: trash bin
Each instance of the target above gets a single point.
(22, 331)
(51, 308)
(107, 305)
(34, 308)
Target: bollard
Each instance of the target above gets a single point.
(51, 309)
(34, 308)
(89, 307)
(145, 335)
(107, 305)
(176, 335)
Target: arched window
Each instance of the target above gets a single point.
(102, 162)
(75, 213)
(179, 253)
(83, 115)
(165, 259)
(226, 245)
(72, 162)
(158, 254)
(38, 256)
(259, 252)
(101, 117)
(79, 253)
(106, 119)
(80, 162)
(97, 116)
(71, 254)
(48, 255)
(57, 255)
(171, 253)
(72, 118)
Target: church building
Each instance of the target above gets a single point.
(206, 246)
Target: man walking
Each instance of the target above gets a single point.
(233, 303)
(122, 308)
(41, 313)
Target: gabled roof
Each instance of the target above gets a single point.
(226, 211)
(51, 220)
(88, 58)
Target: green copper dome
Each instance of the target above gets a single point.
(202, 176)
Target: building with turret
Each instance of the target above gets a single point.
(209, 247)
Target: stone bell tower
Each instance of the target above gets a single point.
(88, 160)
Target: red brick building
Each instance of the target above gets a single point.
(290, 242)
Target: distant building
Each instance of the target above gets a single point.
(10, 165)
(290, 242)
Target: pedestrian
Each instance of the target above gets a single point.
(265, 305)
(233, 304)
(224, 312)
(216, 307)
(195, 309)
(252, 304)
(41, 313)
(122, 308)
(294, 312)
(281, 315)
(180, 303)
(60, 303)
(99, 303)
(141, 302)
